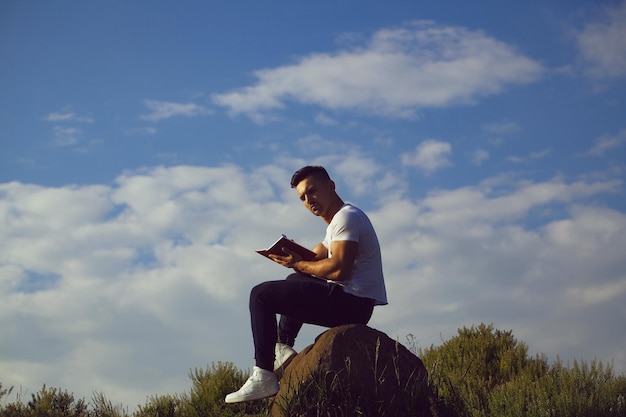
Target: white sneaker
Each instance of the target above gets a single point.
(283, 355)
(261, 384)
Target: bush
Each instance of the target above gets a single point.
(465, 369)
(103, 407)
(49, 402)
(586, 390)
(161, 406)
(210, 386)
(485, 372)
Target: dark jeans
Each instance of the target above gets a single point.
(299, 299)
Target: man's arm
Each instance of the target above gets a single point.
(336, 268)
(321, 252)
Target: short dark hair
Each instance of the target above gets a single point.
(309, 171)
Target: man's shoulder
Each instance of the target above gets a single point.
(350, 214)
(347, 211)
(351, 209)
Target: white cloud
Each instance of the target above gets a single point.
(429, 156)
(66, 136)
(144, 275)
(478, 157)
(531, 157)
(597, 294)
(167, 109)
(466, 256)
(148, 130)
(67, 116)
(606, 143)
(602, 45)
(65, 133)
(324, 119)
(502, 128)
(398, 71)
(474, 205)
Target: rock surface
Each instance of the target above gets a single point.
(354, 370)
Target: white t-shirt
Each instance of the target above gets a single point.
(366, 277)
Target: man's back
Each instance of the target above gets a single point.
(366, 277)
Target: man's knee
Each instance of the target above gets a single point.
(258, 290)
(262, 291)
(297, 277)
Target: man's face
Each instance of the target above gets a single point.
(316, 194)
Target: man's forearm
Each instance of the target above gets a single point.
(324, 268)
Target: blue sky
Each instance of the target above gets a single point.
(146, 150)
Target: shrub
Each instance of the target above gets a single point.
(465, 369)
(161, 406)
(209, 388)
(585, 390)
(103, 407)
(485, 372)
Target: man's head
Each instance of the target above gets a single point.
(317, 191)
(309, 171)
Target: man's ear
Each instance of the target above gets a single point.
(331, 185)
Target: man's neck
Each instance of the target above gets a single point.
(336, 206)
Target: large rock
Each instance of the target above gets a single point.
(354, 370)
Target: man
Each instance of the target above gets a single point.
(340, 286)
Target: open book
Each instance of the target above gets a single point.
(285, 242)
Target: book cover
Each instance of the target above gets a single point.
(285, 242)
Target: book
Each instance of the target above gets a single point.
(285, 242)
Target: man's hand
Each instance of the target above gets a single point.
(289, 260)
(336, 268)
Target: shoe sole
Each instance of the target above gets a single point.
(247, 399)
(243, 398)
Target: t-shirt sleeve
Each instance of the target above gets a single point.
(347, 227)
